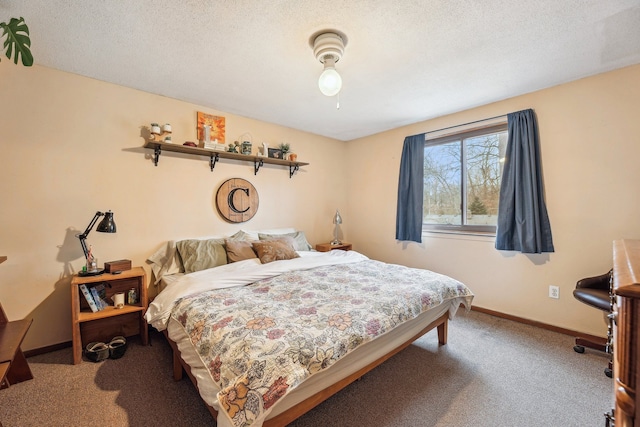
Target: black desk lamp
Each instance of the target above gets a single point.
(107, 225)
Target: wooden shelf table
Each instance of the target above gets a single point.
(105, 324)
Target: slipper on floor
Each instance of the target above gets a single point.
(97, 351)
(117, 347)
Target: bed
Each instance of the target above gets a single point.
(266, 338)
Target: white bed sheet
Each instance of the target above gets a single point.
(170, 279)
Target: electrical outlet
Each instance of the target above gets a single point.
(554, 292)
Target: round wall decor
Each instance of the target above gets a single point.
(237, 200)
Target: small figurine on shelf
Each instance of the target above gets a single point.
(233, 148)
(160, 133)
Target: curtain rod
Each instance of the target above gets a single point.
(465, 124)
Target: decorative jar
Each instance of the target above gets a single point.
(246, 148)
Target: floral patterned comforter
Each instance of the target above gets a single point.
(262, 340)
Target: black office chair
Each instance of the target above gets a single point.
(596, 292)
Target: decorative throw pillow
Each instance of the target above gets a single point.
(239, 250)
(300, 242)
(274, 250)
(199, 255)
(279, 238)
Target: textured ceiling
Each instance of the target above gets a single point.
(405, 61)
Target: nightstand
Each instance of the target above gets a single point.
(326, 247)
(105, 324)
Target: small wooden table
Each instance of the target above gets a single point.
(4, 369)
(13, 365)
(105, 324)
(11, 336)
(326, 247)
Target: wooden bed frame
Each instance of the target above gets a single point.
(306, 405)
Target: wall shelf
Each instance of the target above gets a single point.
(214, 156)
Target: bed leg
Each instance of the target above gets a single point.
(177, 367)
(442, 332)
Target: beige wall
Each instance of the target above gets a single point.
(590, 143)
(70, 146)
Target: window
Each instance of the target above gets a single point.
(462, 174)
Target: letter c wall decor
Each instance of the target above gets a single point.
(237, 200)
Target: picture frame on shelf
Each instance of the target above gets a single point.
(275, 153)
(216, 127)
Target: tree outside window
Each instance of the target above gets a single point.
(462, 173)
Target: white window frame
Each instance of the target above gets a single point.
(461, 135)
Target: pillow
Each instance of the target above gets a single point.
(279, 238)
(242, 235)
(199, 255)
(300, 242)
(239, 250)
(165, 261)
(253, 235)
(274, 250)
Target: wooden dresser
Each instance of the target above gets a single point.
(626, 347)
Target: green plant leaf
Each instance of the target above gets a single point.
(17, 42)
(284, 148)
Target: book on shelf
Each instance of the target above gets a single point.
(99, 294)
(88, 297)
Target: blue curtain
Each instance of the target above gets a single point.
(410, 190)
(523, 223)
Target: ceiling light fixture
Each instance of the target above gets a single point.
(328, 47)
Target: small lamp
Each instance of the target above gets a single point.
(107, 225)
(337, 220)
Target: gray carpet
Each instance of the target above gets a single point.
(493, 372)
